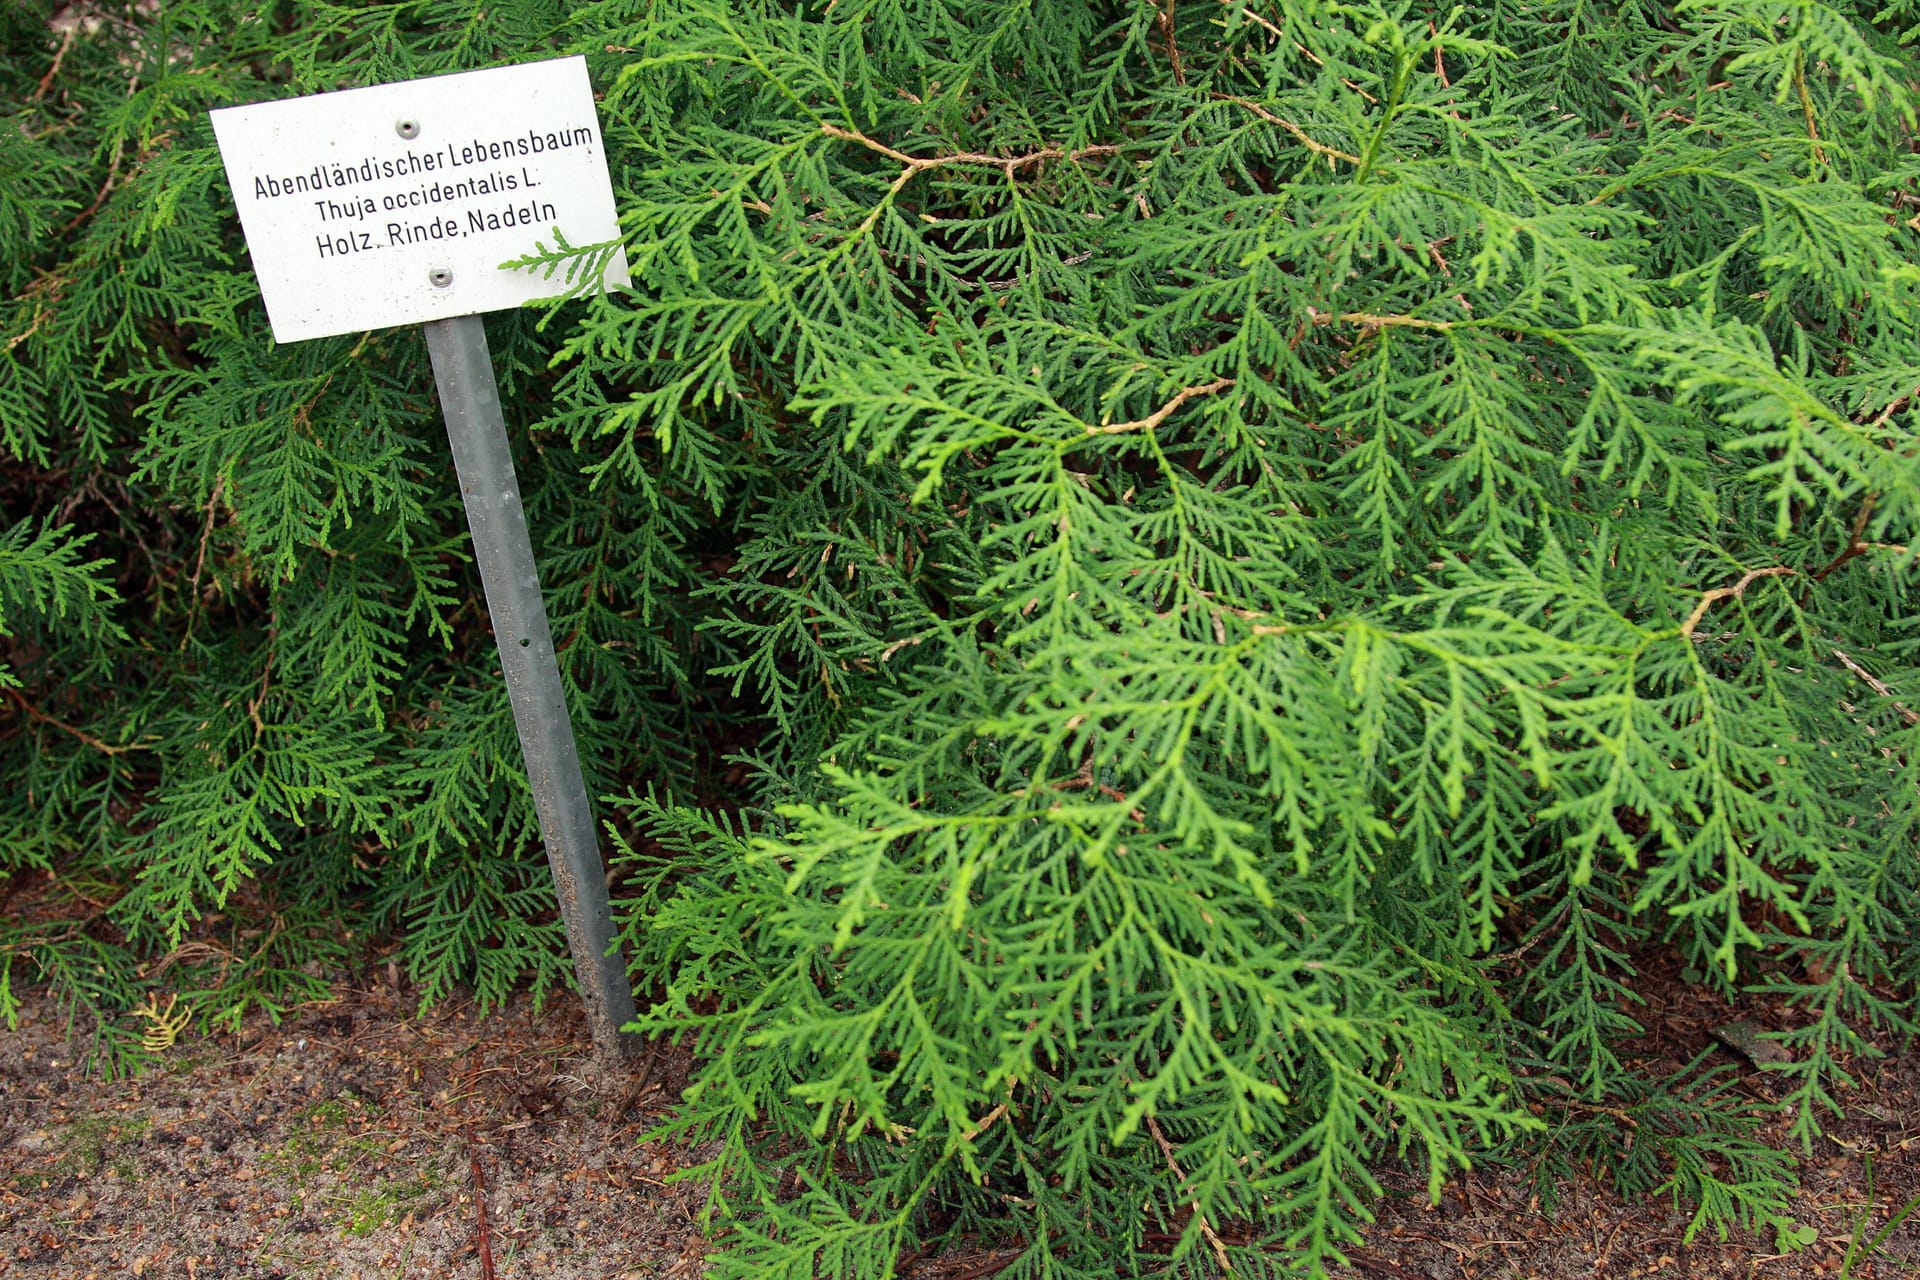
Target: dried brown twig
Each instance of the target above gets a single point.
(1724, 593)
(46, 81)
(1856, 541)
(482, 1233)
(1207, 1232)
(1164, 412)
(911, 165)
(1007, 164)
(1173, 46)
(1299, 135)
(35, 713)
(1878, 686)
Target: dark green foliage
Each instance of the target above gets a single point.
(297, 699)
(1252, 563)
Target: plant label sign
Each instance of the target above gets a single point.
(397, 204)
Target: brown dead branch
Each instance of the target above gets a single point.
(1009, 165)
(1299, 135)
(1708, 600)
(1164, 412)
(1207, 1232)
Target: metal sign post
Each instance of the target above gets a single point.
(395, 204)
(477, 430)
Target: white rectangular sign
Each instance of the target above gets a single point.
(398, 203)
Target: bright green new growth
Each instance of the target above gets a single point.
(1253, 560)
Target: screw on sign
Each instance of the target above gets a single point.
(394, 205)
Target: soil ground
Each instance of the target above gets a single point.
(362, 1140)
(358, 1140)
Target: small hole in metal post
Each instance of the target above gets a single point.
(407, 128)
(524, 642)
(440, 277)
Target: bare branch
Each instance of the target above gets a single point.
(1007, 164)
(34, 713)
(1369, 320)
(1724, 593)
(1173, 46)
(1300, 135)
(1854, 545)
(1206, 1228)
(1877, 686)
(1164, 412)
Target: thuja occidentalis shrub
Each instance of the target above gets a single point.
(1173, 596)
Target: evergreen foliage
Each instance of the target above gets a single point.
(1179, 593)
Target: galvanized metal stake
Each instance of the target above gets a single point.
(470, 399)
